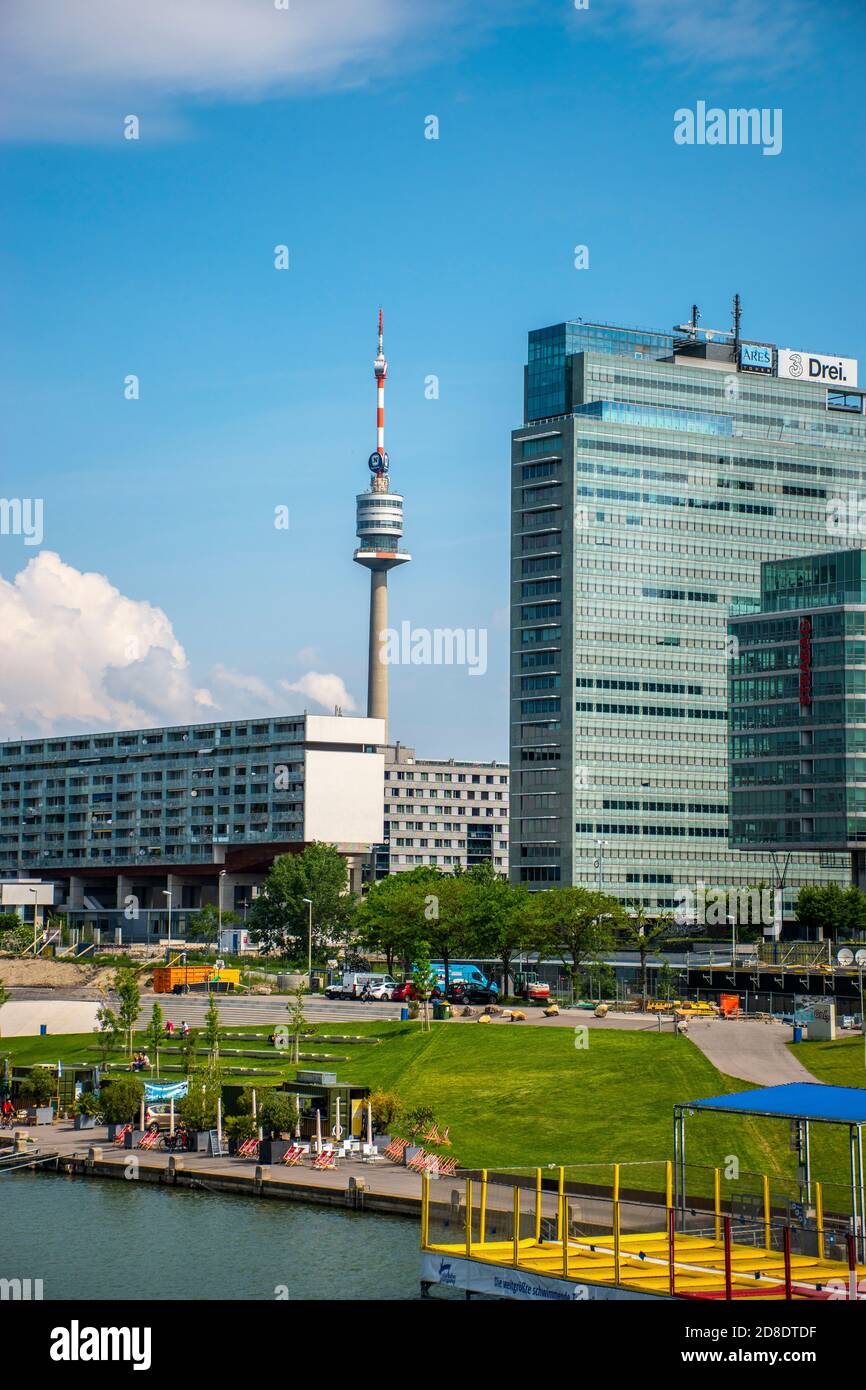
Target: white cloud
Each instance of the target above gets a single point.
(76, 67)
(325, 690)
(736, 35)
(79, 654)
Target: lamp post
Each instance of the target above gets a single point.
(35, 892)
(732, 918)
(220, 907)
(166, 893)
(309, 903)
(601, 846)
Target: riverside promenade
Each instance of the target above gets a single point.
(361, 1186)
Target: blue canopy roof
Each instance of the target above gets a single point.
(798, 1100)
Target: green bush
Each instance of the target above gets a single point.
(419, 1119)
(14, 937)
(198, 1109)
(88, 1103)
(278, 1113)
(121, 1099)
(241, 1127)
(38, 1087)
(386, 1108)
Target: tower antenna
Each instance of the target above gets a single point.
(737, 316)
(379, 528)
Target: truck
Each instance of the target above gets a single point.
(465, 980)
(529, 987)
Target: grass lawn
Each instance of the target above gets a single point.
(839, 1063)
(515, 1096)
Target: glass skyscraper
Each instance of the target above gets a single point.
(653, 474)
(798, 709)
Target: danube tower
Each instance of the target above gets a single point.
(380, 529)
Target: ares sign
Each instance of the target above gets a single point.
(755, 358)
(811, 366)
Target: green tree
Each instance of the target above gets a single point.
(822, 908)
(211, 1029)
(666, 981)
(154, 1035)
(854, 920)
(575, 924)
(423, 982)
(37, 1088)
(121, 1098)
(498, 917)
(109, 1034)
(129, 996)
(644, 934)
(198, 1108)
(389, 919)
(278, 1113)
(297, 1021)
(205, 925)
(279, 917)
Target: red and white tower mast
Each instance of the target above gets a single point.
(380, 530)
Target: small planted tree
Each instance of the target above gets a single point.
(109, 1034)
(129, 996)
(423, 982)
(297, 1021)
(211, 1030)
(154, 1036)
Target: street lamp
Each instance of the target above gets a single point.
(220, 907)
(166, 893)
(35, 892)
(732, 918)
(601, 846)
(309, 903)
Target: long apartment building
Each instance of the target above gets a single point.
(195, 810)
(653, 474)
(447, 813)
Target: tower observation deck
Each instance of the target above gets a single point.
(379, 528)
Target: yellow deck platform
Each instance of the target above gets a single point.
(699, 1265)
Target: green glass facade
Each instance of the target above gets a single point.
(798, 707)
(650, 480)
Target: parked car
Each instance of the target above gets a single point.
(406, 991)
(469, 992)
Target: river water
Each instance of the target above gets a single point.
(87, 1238)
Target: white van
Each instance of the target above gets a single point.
(353, 984)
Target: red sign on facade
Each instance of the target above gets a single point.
(805, 661)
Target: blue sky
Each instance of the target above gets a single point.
(155, 257)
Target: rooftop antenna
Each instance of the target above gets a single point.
(737, 316)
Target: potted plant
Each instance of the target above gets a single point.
(278, 1114)
(238, 1128)
(120, 1101)
(36, 1092)
(87, 1107)
(198, 1109)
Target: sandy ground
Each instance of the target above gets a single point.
(52, 974)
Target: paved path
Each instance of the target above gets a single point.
(262, 1009)
(750, 1051)
(22, 1018)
